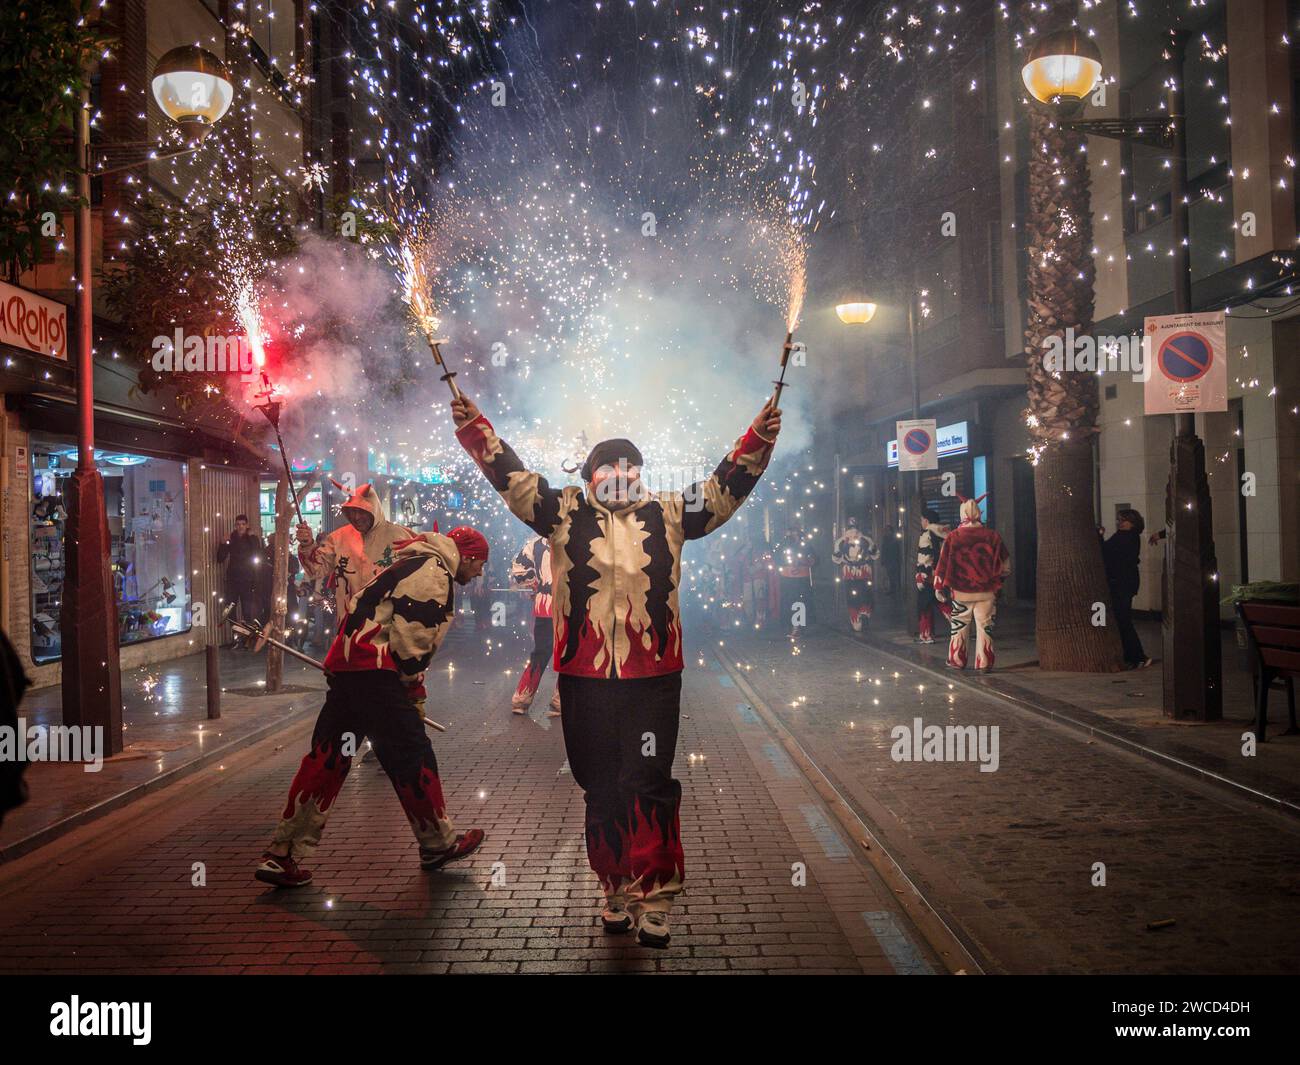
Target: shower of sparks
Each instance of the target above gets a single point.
(609, 208)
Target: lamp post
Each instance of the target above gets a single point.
(193, 89)
(861, 313)
(1062, 70)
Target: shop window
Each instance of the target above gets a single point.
(145, 500)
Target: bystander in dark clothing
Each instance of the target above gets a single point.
(245, 559)
(13, 682)
(1122, 554)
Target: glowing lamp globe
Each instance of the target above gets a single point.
(1066, 64)
(855, 313)
(193, 88)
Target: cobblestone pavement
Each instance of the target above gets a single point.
(120, 895)
(1010, 856)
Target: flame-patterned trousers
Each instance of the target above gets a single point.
(620, 737)
(370, 704)
(972, 610)
(543, 647)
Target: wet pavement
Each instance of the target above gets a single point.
(1127, 707)
(773, 882)
(809, 847)
(166, 734)
(1012, 856)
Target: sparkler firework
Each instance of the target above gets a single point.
(627, 207)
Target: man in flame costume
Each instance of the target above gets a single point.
(615, 570)
(390, 630)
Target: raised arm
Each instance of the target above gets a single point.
(529, 497)
(707, 504)
(317, 559)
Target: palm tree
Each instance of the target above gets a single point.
(1062, 411)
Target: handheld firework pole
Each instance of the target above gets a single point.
(447, 375)
(785, 360)
(254, 629)
(417, 295)
(794, 304)
(271, 406)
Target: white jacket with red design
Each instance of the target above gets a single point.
(615, 573)
(346, 560)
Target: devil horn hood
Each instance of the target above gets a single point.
(367, 499)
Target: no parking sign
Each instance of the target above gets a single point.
(1189, 364)
(917, 445)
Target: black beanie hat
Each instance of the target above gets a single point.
(607, 453)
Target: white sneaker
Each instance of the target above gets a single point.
(554, 710)
(614, 915)
(519, 706)
(652, 929)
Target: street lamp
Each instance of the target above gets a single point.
(861, 313)
(194, 90)
(1063, 65)
(1061, 72)
(855, 313)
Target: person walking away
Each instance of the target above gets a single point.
(973, 564)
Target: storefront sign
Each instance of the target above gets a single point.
(1190, 365)
(950, 440)
(32, 322)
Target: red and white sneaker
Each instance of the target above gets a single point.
(466, 844)
(281, 871)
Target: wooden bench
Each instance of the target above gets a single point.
(1273, 633)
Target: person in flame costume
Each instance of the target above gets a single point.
(615, 569)
(391, 629)
(856, 553)
(531, 570)
(973, 563)
(928, 546)
(352, 554)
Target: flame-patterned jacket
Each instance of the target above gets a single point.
(615, 574)
(398, 620)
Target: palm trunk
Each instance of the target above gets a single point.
(1071, 578)
(1062, 411)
